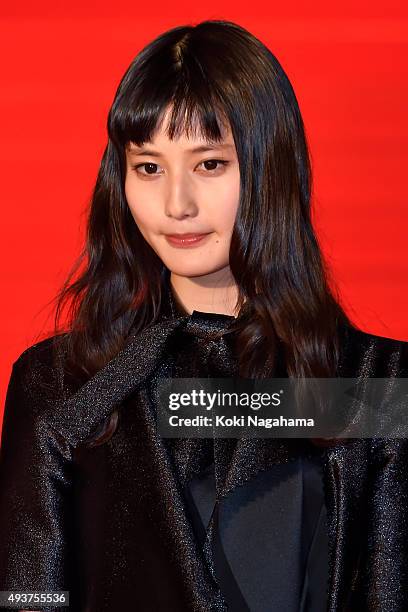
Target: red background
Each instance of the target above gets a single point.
(62, 62)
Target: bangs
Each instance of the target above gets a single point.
(194, 110)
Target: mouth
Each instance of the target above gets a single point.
(186, 240)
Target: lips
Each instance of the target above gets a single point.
(186, 240)
(184, 236)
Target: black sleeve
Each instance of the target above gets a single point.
(35, 497)
(384, 568)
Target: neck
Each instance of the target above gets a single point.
(216, 292)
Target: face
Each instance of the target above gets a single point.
(185, 186)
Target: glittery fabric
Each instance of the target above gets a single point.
(194, 353)
(108, 523)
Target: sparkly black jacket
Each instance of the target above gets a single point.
(106, 523)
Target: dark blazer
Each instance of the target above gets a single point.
(107, 523)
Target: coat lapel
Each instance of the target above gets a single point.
(76, 416)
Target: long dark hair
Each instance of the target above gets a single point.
(213, 72)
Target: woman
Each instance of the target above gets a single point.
(205, 138)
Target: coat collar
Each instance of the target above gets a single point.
(76, 416)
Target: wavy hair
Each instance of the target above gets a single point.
(212, 73)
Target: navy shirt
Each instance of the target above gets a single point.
(270, 544)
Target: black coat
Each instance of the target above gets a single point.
(107, 522)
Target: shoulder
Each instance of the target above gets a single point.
(40, 351)
(30, 448)
(38, 370)
(367, 354)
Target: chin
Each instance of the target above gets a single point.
(191, 269)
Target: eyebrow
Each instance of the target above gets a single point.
(201, 149)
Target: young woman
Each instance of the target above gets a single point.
(200, 261)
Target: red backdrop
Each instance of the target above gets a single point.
(61, 65)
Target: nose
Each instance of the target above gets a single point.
(180, 199)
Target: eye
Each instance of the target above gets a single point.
(211, 162)
(150, 167)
